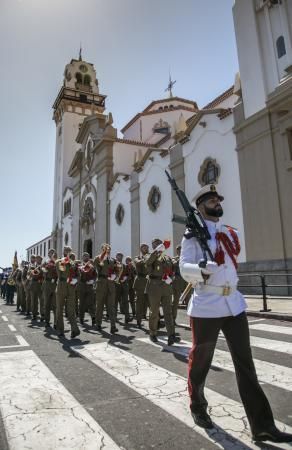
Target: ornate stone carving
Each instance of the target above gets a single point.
(89, 153)
(209, 172)
(154, 198)
(120, 214)
(161, 127)
(87, 216)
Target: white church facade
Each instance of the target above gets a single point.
(114, 189)
(118, 191)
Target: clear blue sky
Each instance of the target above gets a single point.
(132, 44)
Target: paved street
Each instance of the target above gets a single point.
(124, 392)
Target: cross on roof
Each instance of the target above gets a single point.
(170, 86)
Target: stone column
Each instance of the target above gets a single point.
(135, 213)
(177, 171)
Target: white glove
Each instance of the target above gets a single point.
(112, 277)
(74, 281)
(168, 280)
(90, 282)
(211, 268)
(160, 248)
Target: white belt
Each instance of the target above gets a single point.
(220, 290)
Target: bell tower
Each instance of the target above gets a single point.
(78, 98)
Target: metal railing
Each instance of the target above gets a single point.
(263, 285)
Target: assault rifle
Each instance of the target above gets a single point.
(193, 221)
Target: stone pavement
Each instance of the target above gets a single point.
(280, 307)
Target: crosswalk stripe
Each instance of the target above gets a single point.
(269, 344)
(272, 328)
(11, 327)
(38, 411)
(21, 343)
(169, 391)
(187, 325)
(274, 374)
(5, 318)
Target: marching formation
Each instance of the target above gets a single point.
(106, 285)
(102, 287)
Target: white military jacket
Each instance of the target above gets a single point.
(204, 302)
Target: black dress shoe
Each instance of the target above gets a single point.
(98, 327)
(114, 330)
(129, 319)
(153, 339)
(47, 325)
(139, 324)
(272, 434)
(75, 333)
(202, 419)
(171, 339)
(60, 334)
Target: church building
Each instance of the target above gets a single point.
(114, 189)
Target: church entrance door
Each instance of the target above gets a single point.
(87, 246)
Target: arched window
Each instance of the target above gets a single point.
(281, 49)
(78, 77)
(87, 80)
(211, 173)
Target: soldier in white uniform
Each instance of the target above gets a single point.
(216, 305)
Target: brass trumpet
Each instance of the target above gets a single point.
(105, 251)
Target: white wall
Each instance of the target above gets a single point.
(148, 122)
(216, 141)
(256, 34)
(67, 221)
(120, 235)
(155, 224)
(66, 147)
(249, 56)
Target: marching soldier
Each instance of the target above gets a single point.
(131, 278)
(140, 283)
(17, 278)
(159, 290)
(67, 272)
(122, 288)
(106, 268)
(178, 284)
(21, 288)
(10, 289)
(216, 305)
(49, 287)
(86, 295)
(36, 277)
(25, 283)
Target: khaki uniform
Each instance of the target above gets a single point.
(105, 290)
(86, 295)
(122, 293)
(131, 279)
(139, 287)
(178, 286)
(49, 291)
(25, 284)
(19, 289)
(159, 292)
(37, 301)
(65, 292)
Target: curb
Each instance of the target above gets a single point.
(267, 315)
